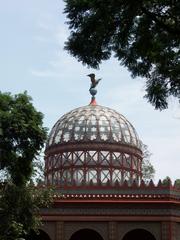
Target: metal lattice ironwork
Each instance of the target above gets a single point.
(92, 144)
(93, 124)
(78, 167)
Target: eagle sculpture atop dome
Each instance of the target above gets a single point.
(94, 82)
(92, 89)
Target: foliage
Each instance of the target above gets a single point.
(166, 181)
(148, 170)
(144, 36)
(37, 177)
(19, 209)
(22, 137)
(177, 183)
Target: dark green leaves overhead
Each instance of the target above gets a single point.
(143, 35)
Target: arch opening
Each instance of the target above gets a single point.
(140, 234)
(41, 235)
(86, 234)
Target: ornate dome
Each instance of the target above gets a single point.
(92, 145)
(93, 123)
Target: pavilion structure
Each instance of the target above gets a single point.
(93, 158)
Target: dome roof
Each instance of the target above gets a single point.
(92, 145)
(93, 124)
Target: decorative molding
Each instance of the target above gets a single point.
(124, 189)
(111, 211)
(82, 146)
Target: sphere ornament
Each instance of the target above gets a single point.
(93, 91)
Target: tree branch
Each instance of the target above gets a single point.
(169, 29)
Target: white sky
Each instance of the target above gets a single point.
(32, 58)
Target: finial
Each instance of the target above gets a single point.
(92, 89)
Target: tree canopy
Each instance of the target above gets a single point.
(22, 136)
(143, 35)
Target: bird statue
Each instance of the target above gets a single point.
(92, 89)
(94, 82)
